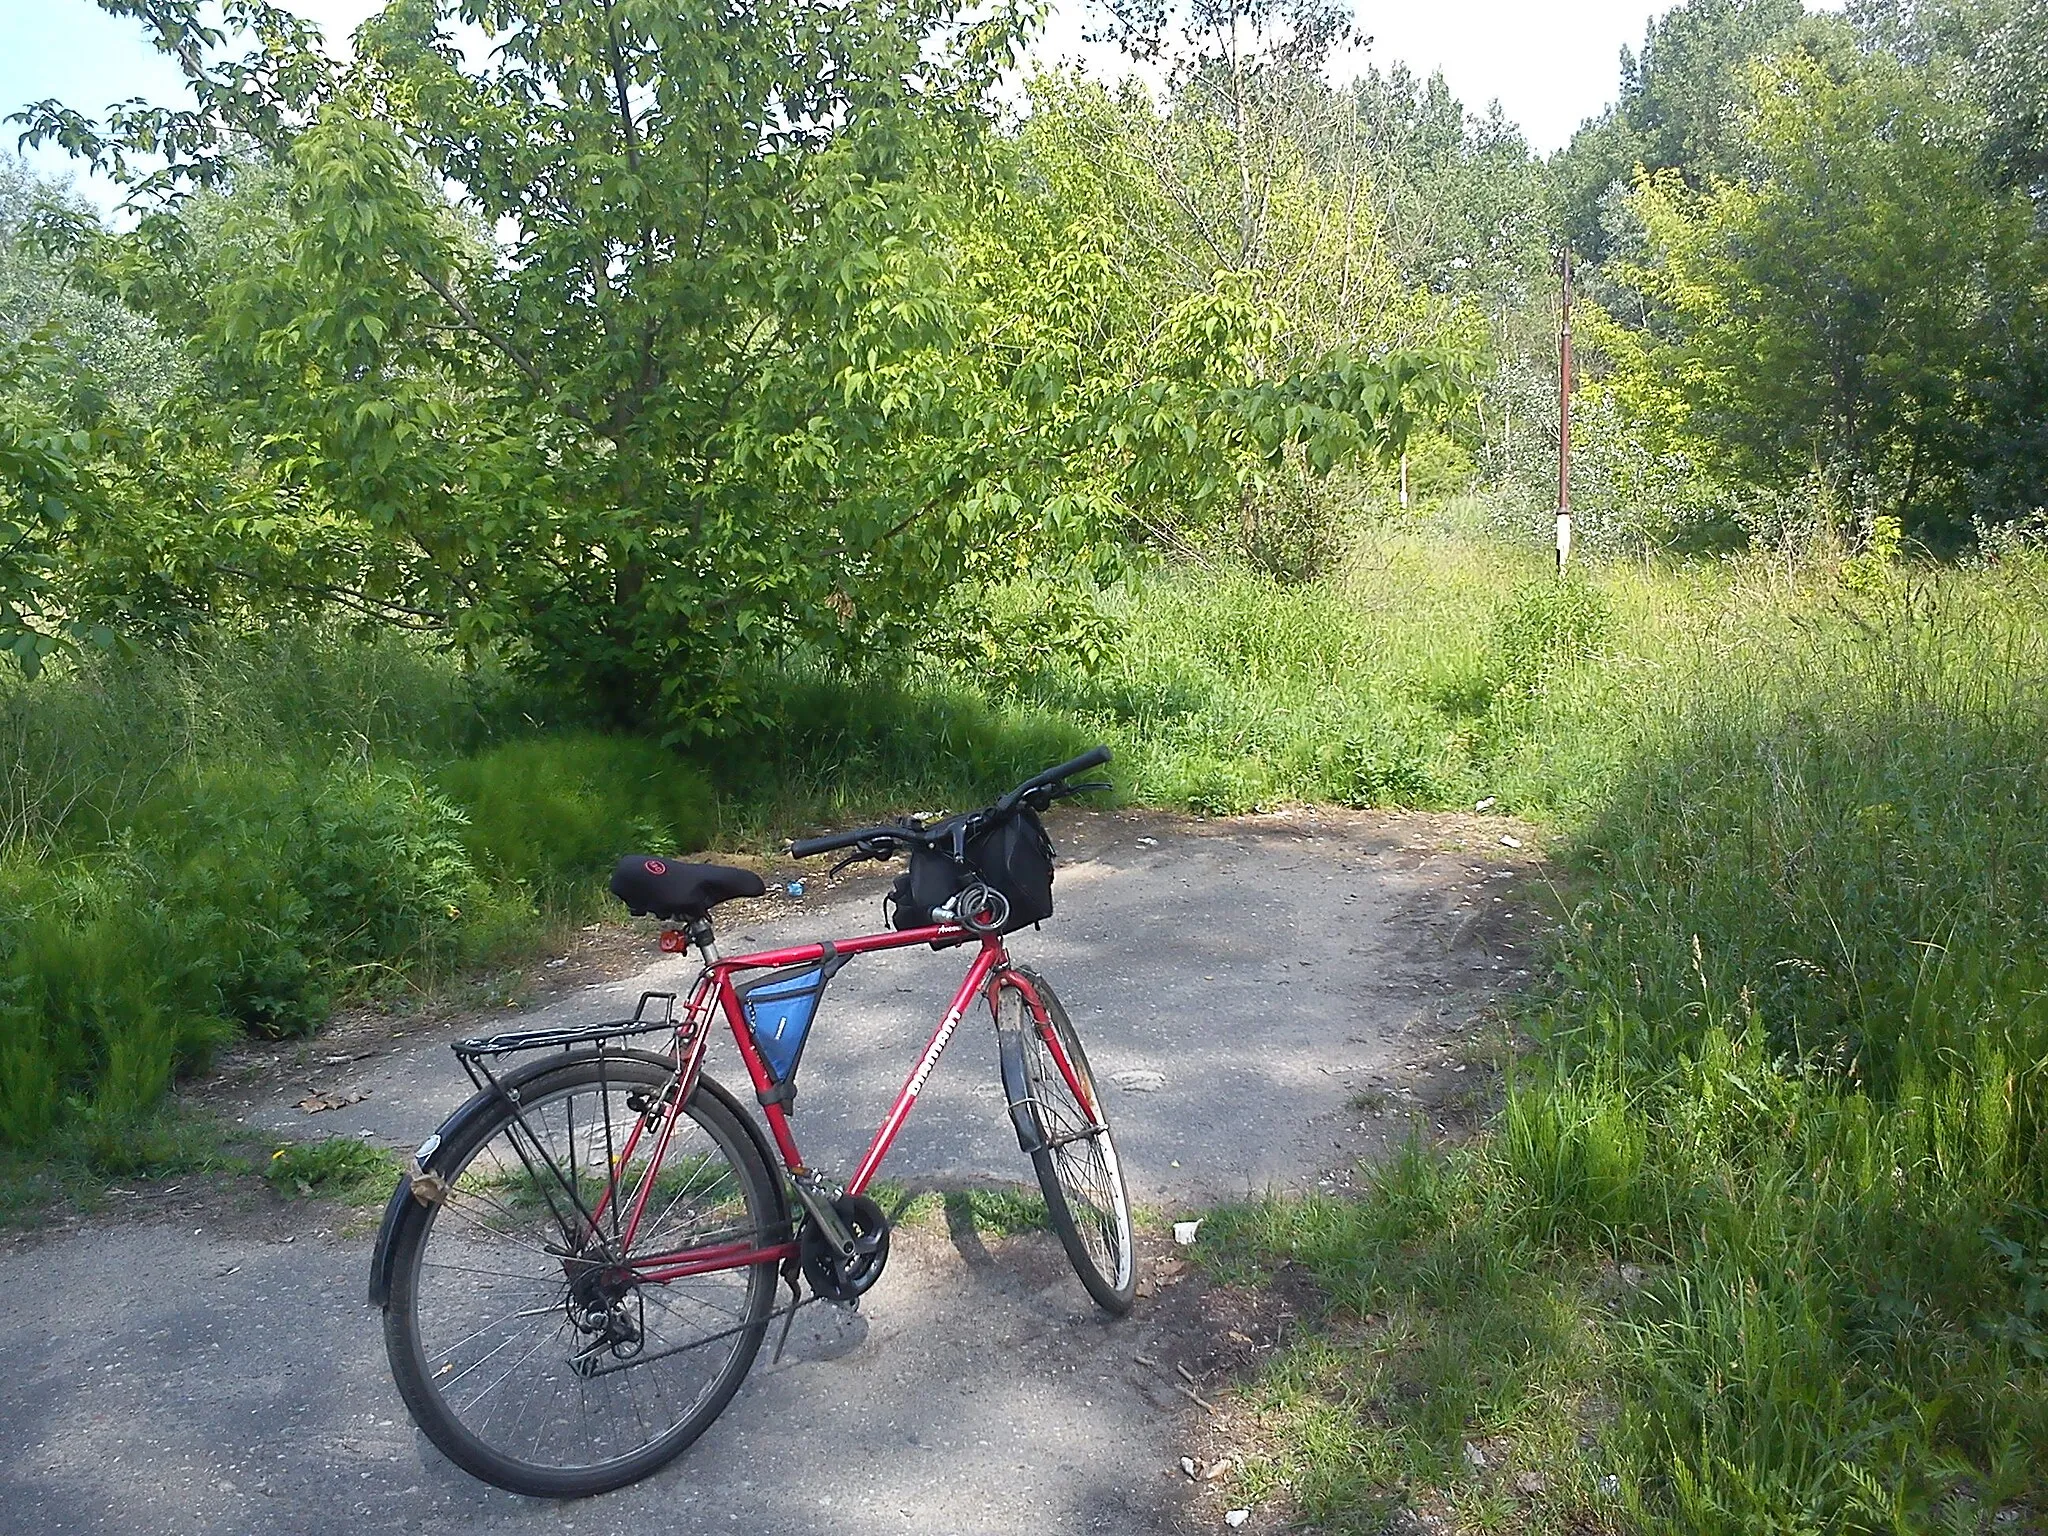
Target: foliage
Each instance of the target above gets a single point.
(552, 811)
(199, 841)
(232, 896)
(1679, 108)
(1834, 314)
(1232, 224)
(111, 361)
(654, 344)
(41, 480)
(1756, 1242)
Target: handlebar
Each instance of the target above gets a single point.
(882, 842)
(1095, 757)
(804, 847)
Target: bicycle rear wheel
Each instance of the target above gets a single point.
(1074, 1154)
(522, 1340)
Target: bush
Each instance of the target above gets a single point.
(280, 883)
(245, 896)
(91, 1010)
(553, 811)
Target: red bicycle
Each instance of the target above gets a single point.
(578, 1268)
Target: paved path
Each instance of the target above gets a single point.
(215, 1369)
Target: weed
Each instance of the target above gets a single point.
(72, 1169)
(336, 1169)
(553, 811)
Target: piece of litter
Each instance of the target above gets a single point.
(1475, 1457)
(1148, 842)
(1511, 842)
(1487, 804)
(557, 964)
(1187, 1465)
(1184, 1232)
(794, 888)
(1237, 1517)
(1216, 1469)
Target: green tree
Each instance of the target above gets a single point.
(113, 359)
(704, 359)
(667, 378)
(1239, 229)
(1830, 319)
(1680, 108)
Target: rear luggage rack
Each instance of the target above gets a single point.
(478, 1055)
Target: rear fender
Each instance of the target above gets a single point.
(435, 1157)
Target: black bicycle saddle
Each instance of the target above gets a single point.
(674, 891)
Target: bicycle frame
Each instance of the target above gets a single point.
(714, 988)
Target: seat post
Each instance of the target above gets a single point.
(698, 931)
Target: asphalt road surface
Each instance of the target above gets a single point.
(192, 1360)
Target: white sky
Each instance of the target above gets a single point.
(1550, 66)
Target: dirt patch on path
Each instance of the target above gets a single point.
(1266, 997)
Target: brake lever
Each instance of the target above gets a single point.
(1065, 790)
(862, 852)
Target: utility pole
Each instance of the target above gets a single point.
(1564, 412)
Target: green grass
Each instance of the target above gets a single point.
(74, 1172)
(1759, 1232)
(1756, 1242)
(338, 1168)
(1431, 671)
(996, 1212)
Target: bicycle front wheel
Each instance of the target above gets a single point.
(1053, 1099)
(526, 1337)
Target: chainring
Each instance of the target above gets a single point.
(837, 1279)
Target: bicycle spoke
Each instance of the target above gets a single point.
(534, 1337)
(1076, 1161)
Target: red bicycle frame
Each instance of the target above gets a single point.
(715, 988)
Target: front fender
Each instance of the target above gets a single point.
(1010, 1048)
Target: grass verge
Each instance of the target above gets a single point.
(1757, 1242)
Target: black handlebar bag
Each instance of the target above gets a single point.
(1012, 855)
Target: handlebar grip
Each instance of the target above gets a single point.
(1094, 757)
(804, 847)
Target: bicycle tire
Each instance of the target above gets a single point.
(581, 1418)
(1084, 1188)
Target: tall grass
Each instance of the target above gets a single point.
(1429, 672)
(234, 836)
(1782, 1152)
